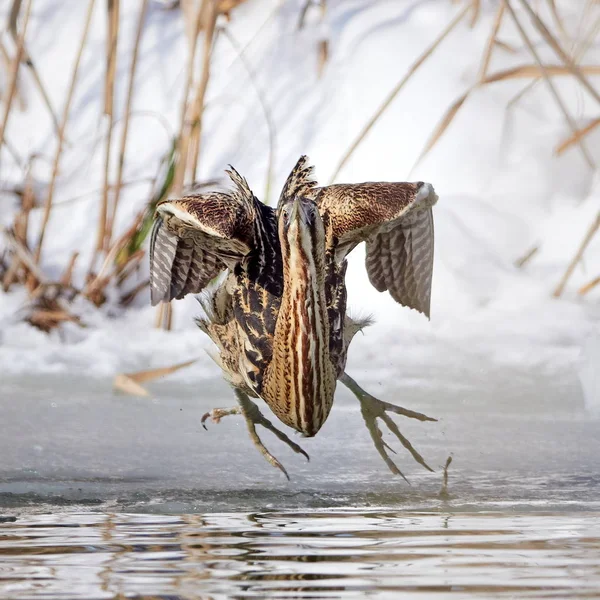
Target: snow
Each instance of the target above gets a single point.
(502, 190)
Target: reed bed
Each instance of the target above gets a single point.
(117, 258)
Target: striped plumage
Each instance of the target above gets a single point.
(278, 318)
(300, 380)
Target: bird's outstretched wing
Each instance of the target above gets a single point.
(196, 237)
(396, 222)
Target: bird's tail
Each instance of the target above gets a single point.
(354, 325)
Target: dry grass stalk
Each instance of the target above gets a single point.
(130, 383)
(554, 44)
(224, 7)
(28, 61)
(183, 138)
(323, 45)
(14, 72)
(123, 383)
(164, 317)
(323, 57)
(476, 6)
(128, 102)
(303, 13)
(48, 309)
(130, 296)
(189, 12)
(49, 318)
(66, 279)
(130, 266)
(591, 232)
(20, 229)
(109, 85)
(441, 127)
(574, 139)
(522, 93)
(527, 71)
(198, 105)
(94, 290)
(521, 262)
(13, 152)
(152, 374)
(504, 46)
(7, 64)
(323, 50)
(584, 45)
(588, 40)
(24, 255)
(558, 21)
(390, 98)
(588, 287)
(61, 132)
(548, 80)
(492, 40)
(524, 71)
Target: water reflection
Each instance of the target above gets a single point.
(323, 554)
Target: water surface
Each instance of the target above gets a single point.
(314, 554)
(105, 496)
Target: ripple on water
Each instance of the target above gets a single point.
(319, 554)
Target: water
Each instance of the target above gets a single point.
(315, 554)
(105, 496)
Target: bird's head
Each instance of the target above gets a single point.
(302, 235)
(300, 225)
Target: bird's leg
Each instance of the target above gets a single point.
(254, 417)
(371, 408)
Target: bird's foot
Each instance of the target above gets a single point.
(254, 417)
(371, 409)
(216, 414)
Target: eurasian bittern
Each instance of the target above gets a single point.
(278, 319)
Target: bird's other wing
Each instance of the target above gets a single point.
(396, 222)
(196, 237)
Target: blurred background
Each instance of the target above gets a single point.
(108, 107)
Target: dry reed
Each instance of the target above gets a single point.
(574, 138)
(197, 117)
(130, 383)
(61, 132)
(492, 40)
(27, 60)
(555, 45)
(588, 287)
(127, 115)
(551, 87)
(396, 90)
(112, 39)
(535, 71)
(14, 72)
(590, 233)
(7, 64)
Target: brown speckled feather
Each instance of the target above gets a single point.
(396, 222)
(196, 237)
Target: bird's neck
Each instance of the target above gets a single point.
(300, 380)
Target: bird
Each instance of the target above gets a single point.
(277, 313)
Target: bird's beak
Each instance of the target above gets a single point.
(299, 213)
